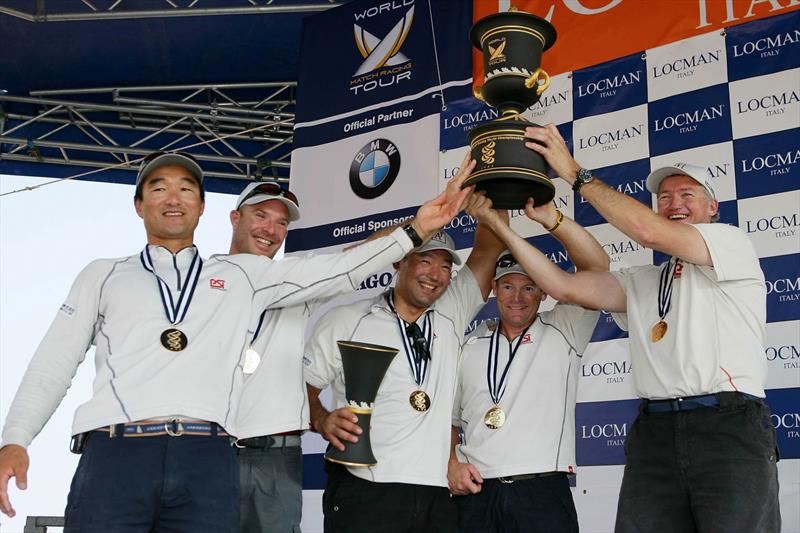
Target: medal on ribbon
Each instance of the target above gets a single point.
(173, 339)
(417, 346)
(495, 417)
(251, 357)
(665, 283)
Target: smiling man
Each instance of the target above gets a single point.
(270, 424)
(701, 455)
(515, 402)
(170, 331)
(424, 317)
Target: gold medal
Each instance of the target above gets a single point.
(658, 331)
(251, 361)
(420, 401)
(494, 418)
(174, 340)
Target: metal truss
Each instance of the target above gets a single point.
(236, 130)
(59, 10)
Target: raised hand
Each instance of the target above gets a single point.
(552, 146)
(434, 214)
(544, 214)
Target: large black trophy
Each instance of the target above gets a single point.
(512, 44)
(364, 366)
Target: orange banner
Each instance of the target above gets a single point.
(594, 31)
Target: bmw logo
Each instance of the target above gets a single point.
(374, 168)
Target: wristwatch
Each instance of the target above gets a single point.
(583, 177)
(416, 240)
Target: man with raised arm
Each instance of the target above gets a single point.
(170, 331)
(701, 455)
(515, 402)
(424, 316)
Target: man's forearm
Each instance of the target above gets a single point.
(317, 411)
(584, 250)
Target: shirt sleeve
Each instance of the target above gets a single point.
(294, 280)
(732, 253)
(322, 362)
(623, 276)
(463, 299)
(574, 322)
(63, 348)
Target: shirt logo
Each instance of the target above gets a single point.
(217, 283)
(67, 309)
(526, 339)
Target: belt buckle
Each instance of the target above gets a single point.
(505, 480)
(176, 423)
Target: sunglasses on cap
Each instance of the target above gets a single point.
(271, 189)
(506, 261)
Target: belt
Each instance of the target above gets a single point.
(522, 477)
(174, 428)
(282, 440)
(687, 403)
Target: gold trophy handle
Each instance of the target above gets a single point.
(477, 93)
(533, 80)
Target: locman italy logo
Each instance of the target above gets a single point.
(378, 53)
(374, 168)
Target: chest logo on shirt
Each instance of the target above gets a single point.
(678, 270)
(526, 339)
(217, 284)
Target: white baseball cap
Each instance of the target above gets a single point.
(261, 191)
(697, 173)
(440, 241)
(506, 264)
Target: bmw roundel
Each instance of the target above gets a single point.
(374, 168)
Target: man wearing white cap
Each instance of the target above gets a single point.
(424, 317)
(701, 456)
(515, 401)
(273, 408)
(170, 331)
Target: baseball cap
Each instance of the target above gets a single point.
(506, 264)
(440, 241)
(160, 159)
(261, 191)
(697, 173)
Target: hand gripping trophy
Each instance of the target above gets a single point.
(512, 44)
(364, 366)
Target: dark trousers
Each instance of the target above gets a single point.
(163, 484)
(354, 505)
(540, 505)
(271, 497)
(711, 469)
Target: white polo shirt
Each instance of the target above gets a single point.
(410, 446)
(715, 336)
(274, 397)
(539, 399)
(115, 305)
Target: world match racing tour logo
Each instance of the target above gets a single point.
(384, 65)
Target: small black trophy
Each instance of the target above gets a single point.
(364, 366)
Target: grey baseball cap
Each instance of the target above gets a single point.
(440, 241)
(160, 159)
(697, 173)
(261, 191)
(506, 264)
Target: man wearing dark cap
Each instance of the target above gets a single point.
(515, 401)
(701, 455)
(170, 331)
(424, 317)
(273, 409)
